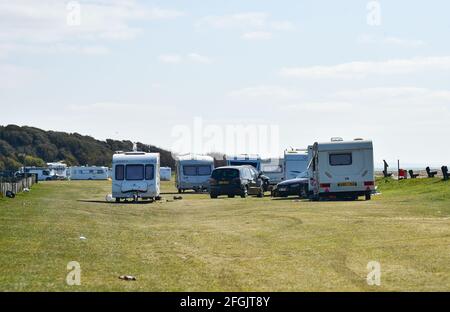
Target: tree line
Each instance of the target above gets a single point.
(29, 146)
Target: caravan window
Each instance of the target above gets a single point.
(190, 170)
(134, 172)
(204, 170)
(344, 159)
(119, 172)
(149, 172)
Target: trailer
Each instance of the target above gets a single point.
(295, 162)
(88, 173)
(42, 173)
(273, 168)
(165, 173)
(59, 168)
(244, 159)
(135, 175)
(342, 169)
(193, 172)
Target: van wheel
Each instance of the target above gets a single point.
(213, 195)
(244, 193)
(117, 200)
(231, 196)
(368, 196)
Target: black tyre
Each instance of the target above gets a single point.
(117, 200)
(213, 195)
(231, 196)
(244, 193)
(368, 196)
(261, 193)
(179, 191)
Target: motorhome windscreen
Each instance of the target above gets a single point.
(149, 172)
(225, 174)
(243, 163)
(341, 159)
(119, 172)
(134, 172)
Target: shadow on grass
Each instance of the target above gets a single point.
(142, 202)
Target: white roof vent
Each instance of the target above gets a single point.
(337, 139)
(358, 139)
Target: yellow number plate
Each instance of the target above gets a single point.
(223, 182)
(347, 184)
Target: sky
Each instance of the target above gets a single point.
(183, 75)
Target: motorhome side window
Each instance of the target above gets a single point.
(342, 159)
(134, 172)
(149, 172)
(119, 172)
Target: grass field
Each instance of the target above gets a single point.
(199, 244)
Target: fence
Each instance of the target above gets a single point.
(16, 185)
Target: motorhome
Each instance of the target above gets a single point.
(43, 174)
(244, 159)
(342, 169)
(295, 162)
(88, 173)
(165, 173)
(193, 172)
(274, 169)
(135, 175)
(59, 168)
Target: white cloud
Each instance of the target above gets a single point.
(12, 76)
(191, 57)
(257, 35)
(46, 20)
(394, 41)
(254, 25)
(363, 69)
(267, 91)
(8, 49)
(170, 58)
(235, 21)
(197, 58)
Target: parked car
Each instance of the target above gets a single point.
(292, 187)
(236, 180)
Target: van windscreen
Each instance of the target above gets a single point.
(342, 159)
(134, 172)
(225, 174)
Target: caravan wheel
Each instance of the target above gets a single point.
(179, 191)
(368, 196)
(117, 200)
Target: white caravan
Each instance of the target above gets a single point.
(193, 172)
(165, 173)
(273, 169)
(43, 174)
(88, 173)
(244, 159)
(342, 169)
(59, 168)
(295, 162)
(135, 174)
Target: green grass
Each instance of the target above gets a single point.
(199, 244)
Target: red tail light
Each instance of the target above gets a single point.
(324, 185)
(369, 183)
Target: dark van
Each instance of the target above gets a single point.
(236, 180)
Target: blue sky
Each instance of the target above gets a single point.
(315, 69)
